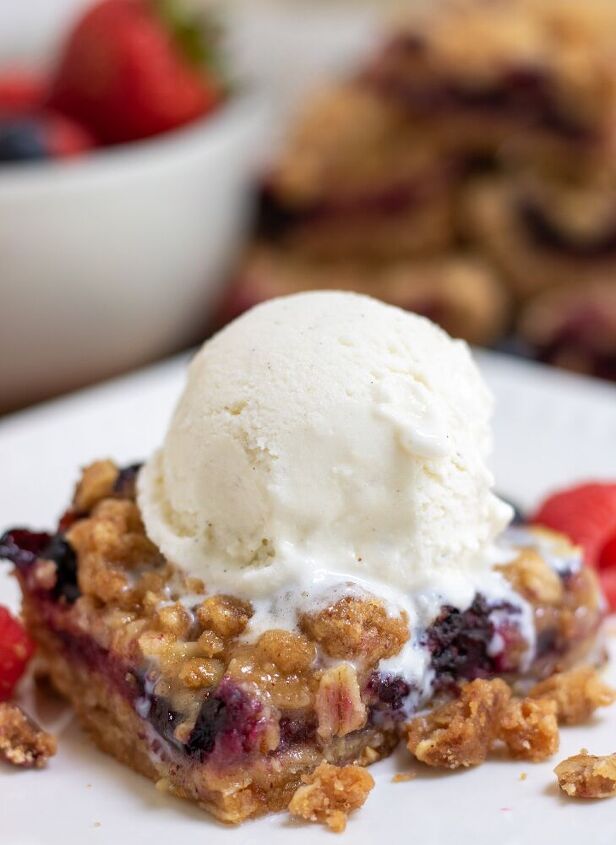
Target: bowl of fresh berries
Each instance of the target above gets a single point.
(125, 183)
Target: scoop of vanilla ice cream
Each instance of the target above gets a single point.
(326, 433)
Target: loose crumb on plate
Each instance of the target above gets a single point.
(403, 777)
(22, 742)
(330, 793)
(523, 776)
(587, 776)
(461, 732)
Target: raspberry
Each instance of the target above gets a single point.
(608, 583)
(608, 554)
(586, 514)
(16, 649)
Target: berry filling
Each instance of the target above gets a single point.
(124, 485)
(388, 692)
(462, 643)
(276, 219)
(522, 94)
(546, 234)
(23, 548)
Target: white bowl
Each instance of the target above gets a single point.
(116, 258)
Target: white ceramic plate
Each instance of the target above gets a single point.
(550, 429)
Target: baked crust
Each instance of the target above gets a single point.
(22, 742)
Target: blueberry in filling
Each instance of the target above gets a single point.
(163, 718)
(61, 551)
(210, 721)
(230, 716)
(23, 548)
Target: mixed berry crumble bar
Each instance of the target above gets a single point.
(286, 586)
(536, 74)
(355, 177)
(163, 675)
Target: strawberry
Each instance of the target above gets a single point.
(130, 70)
(608, 554)
(20, 92)
(607, 577)
(586, 514)
(16, 649)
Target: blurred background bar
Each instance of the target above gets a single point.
(456, 158)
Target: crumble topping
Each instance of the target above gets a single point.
(529, 729)
(226, 616)
(587, 776)
(576, 694)
(461, 732)
(22, 742)
(355, 628)
(330, 793)
(530, 575)
(111, 544)
(287, 651)
(96, 483)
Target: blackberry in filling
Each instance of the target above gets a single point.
(388, 692)
(459, 643)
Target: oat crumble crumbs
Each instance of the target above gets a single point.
(576, 693)
(461, 732)
(22, 741)
(330, 793)
(529, 729)
(95, 484)
(523, 776)
(355, 628)
(587, 776)
(403, 777)
(531, 576)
